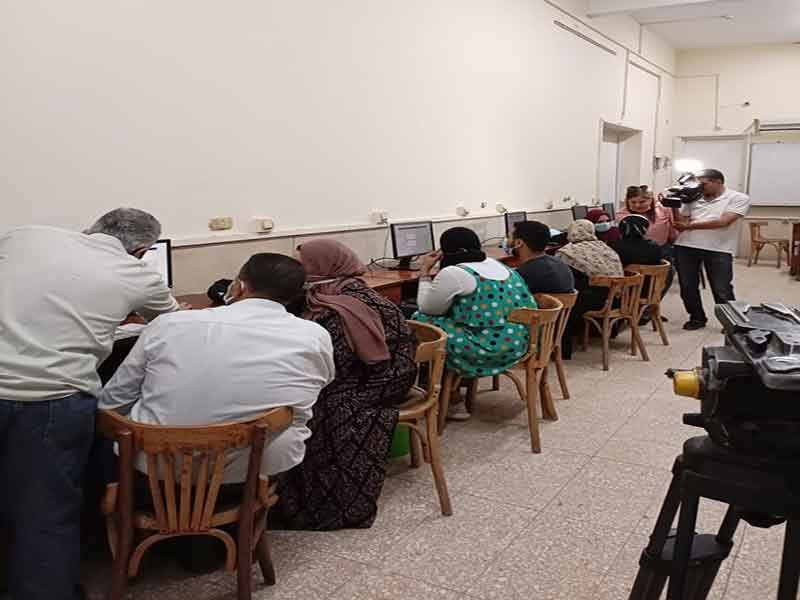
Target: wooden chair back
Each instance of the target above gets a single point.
(626, 289)
(568, 301)
(755, 231)
(431, 352)
(655, 280)
(542, 325)
(185, 464)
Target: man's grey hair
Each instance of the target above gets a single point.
(135, 228)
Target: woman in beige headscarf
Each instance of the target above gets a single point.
(587, 257)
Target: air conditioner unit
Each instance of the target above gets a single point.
(761, 125)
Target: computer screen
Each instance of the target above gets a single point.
(512, 218)
(411, 239)
(159, 257)
(609, 208)
(579, 212)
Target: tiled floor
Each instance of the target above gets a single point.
(566, 524)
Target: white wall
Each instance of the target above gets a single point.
(313, 113)
(765, 76)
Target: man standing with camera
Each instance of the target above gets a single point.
(709, 236)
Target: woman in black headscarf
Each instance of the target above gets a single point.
(634, 248)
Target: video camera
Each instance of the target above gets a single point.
(688, 190)
(749, 388)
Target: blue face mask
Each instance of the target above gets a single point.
(602, 227)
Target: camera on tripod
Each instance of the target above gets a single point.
(688, 190)
(749, 392)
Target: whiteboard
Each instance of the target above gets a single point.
(775, 174)
(727, 156)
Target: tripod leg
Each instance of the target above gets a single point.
(704, 579)
(683, 545)
(790, 563)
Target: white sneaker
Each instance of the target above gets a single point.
(458, 412)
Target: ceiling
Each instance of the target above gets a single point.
(697, 23)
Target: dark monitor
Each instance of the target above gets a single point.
(609, 208)
(410, 240)
(579, 212)
(159, 257)
(512, 218)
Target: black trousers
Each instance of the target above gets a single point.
(718, 267)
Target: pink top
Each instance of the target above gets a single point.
(662, 230)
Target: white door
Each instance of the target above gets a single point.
(608, 184)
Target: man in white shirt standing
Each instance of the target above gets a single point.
(62, 296)
(708, 238)
(231, 363)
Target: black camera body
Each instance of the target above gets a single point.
(688, 190)
(750, 387)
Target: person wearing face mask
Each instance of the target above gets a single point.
(542, 273)
(231, 363)
(604, 227)
(63, 295)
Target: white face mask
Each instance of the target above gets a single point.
(602, 227)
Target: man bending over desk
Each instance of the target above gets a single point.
(231, 363)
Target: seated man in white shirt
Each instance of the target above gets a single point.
(231, 363)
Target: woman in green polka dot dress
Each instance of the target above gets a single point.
(471, 298)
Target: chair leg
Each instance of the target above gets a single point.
(585, 334)
(244, 559)
(659, 325)
(415, 448)
(122, 554)
(264, 557)
(496, 383)
(759, 248)
(606, 338)
(531, 398)
(637, 341)
(750, 257)
(436, 464)
(778, 251)
(548, 406)
(448, 385)
(472, 392)
(562, 375)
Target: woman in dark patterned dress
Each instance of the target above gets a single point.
(338, 483)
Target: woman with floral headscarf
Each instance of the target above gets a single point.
(587, 257)
(338, 483)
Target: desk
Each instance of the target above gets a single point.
(388, 282)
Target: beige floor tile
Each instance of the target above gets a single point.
(763, 545)
(374, 584)
(752, 581)
(448, 552)
(655, 455)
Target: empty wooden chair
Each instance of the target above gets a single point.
(184, 473)
(757, 243)
(419, 412)
(655, 280)
(542, 325)
(622, 305)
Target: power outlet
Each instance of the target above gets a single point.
(566, 199)
(220, 223)
(380, 217)
(500, 208)
(549, 205)
(264, 224)
(461, 211)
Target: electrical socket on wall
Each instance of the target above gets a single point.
(500, 208)
(220, 223)
(380, 217)
(264, 224)
(461, 211)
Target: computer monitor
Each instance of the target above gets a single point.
(609, 208)
(579, 212)
(159, 257)
(512, 218)
(410, 240)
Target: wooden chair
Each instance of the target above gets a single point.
(655, 280)
(423, 405)
(542, 324)
(184, 473)
(627, 291)
(757, 243)
(568, 300)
